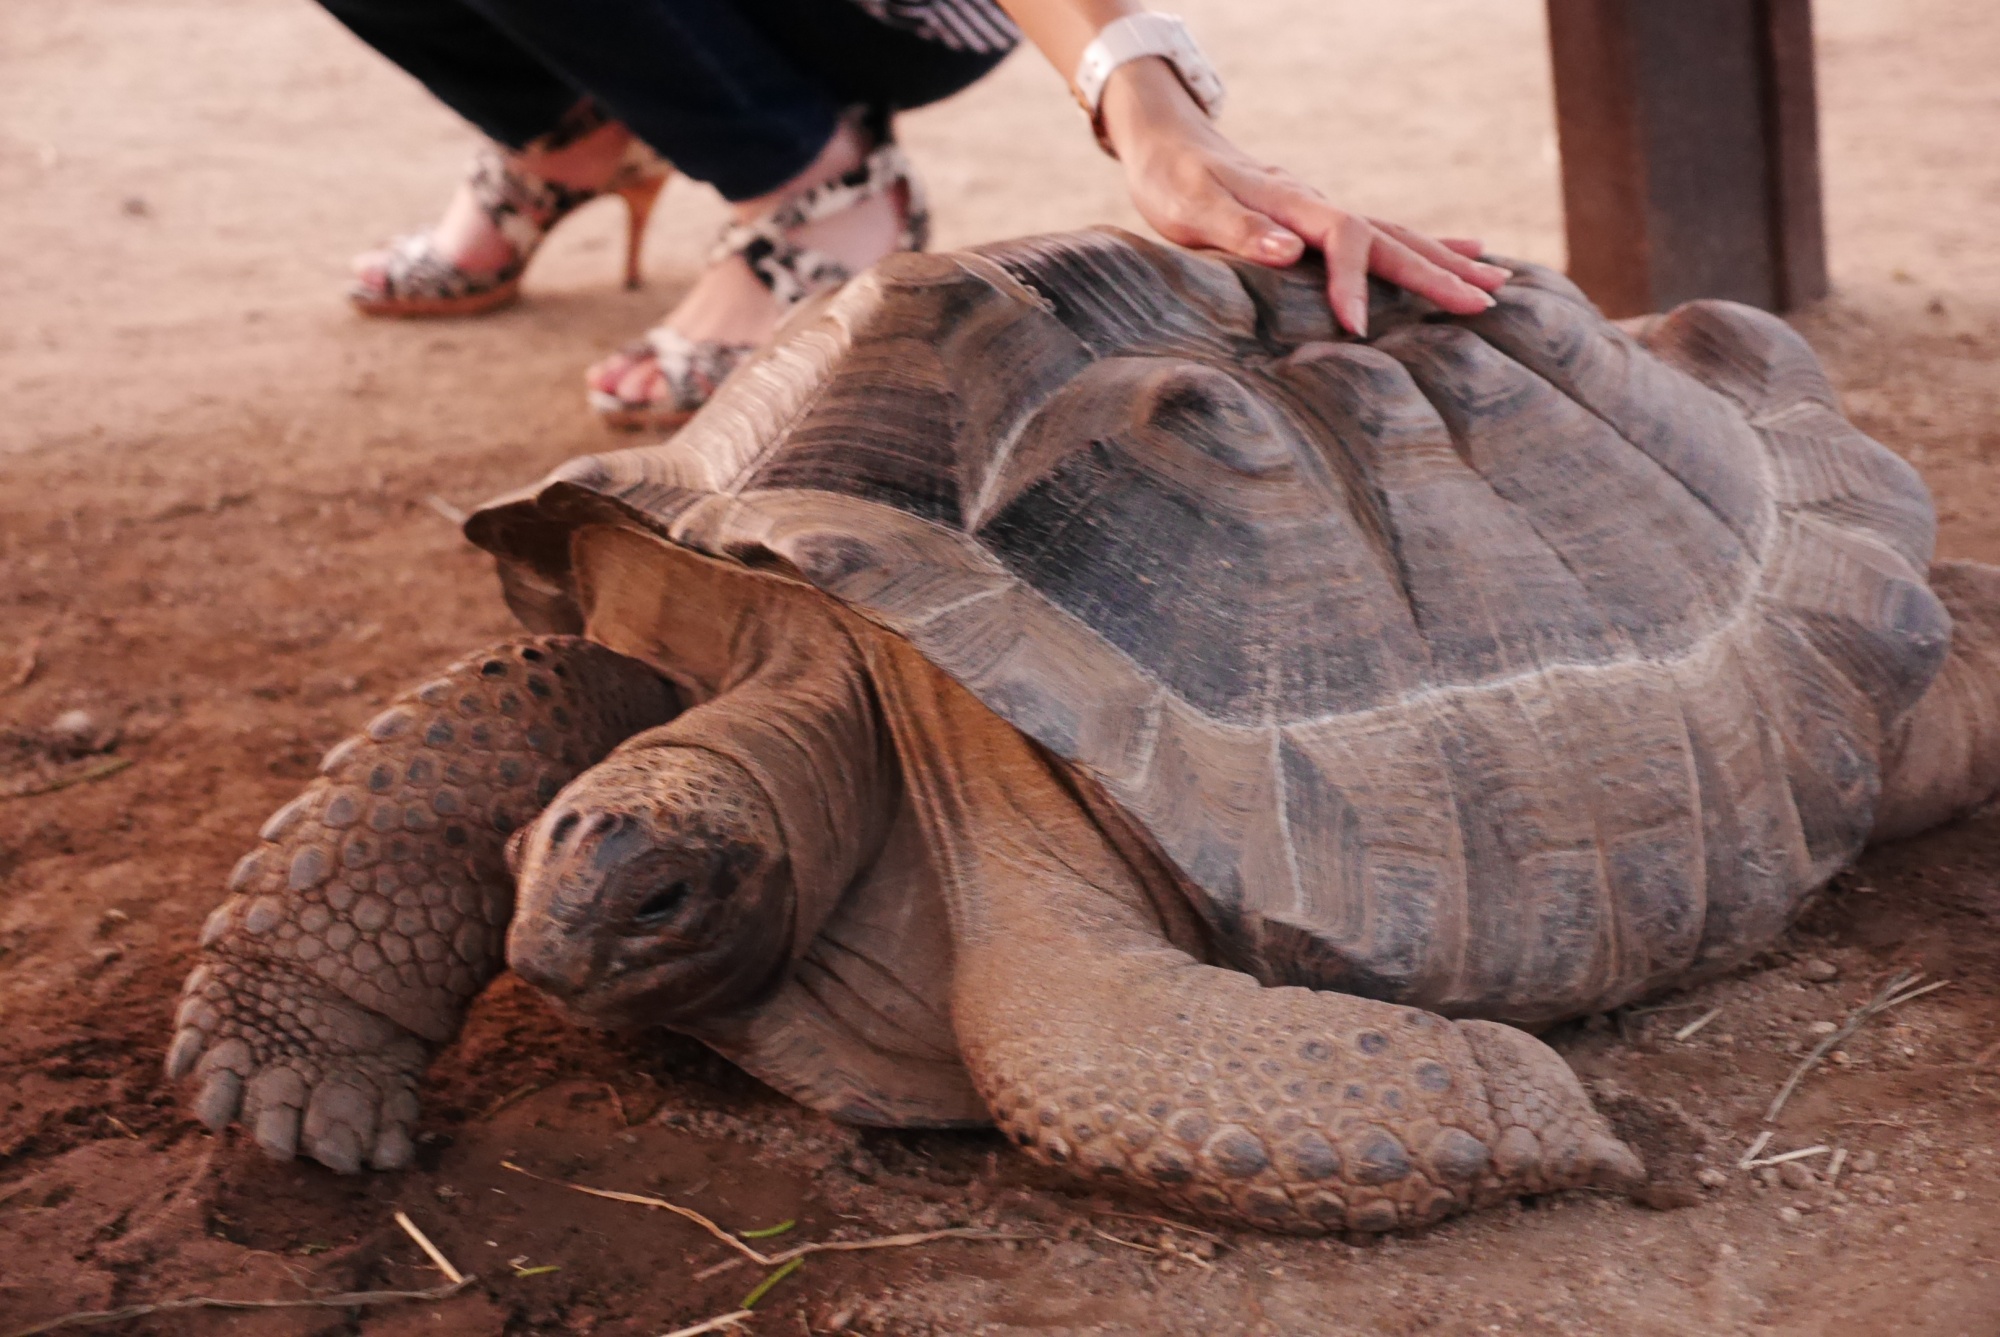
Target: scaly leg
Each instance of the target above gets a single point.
(1943, 759)
(377, 905)
(1100, 1047)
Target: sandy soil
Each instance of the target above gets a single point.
(220, 537)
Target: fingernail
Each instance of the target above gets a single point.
(1356, 313)
(1487, 300)
(1500, 272)
(1277, 245)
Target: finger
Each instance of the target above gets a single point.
(1476, 272)
(1348, 245)
(1217, 216)
(1464, 245)
(1394, 261)
(1344, 238)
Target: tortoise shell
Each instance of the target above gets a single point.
(1507, 666)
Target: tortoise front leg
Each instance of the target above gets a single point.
(377, 905)
(1100, 1047)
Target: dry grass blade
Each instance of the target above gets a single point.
(1170, 1224)
(786, 1256)
(1893, 994)
(1129, 1244)
(101, 771)
(29, 661)
(343, 1300)
(716, 1324)
(1757, 1144)
(451, 1273)
(1689, 1030)
(444, 508)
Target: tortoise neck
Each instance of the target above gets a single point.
(803, 721)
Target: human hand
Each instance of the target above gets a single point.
(1198, 189)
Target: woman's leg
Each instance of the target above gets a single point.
(773, 68)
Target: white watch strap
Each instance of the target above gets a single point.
(1132, 38)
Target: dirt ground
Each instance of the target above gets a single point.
(222, 540)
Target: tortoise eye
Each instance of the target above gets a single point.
(661, 905)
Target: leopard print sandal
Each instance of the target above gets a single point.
(692, 369)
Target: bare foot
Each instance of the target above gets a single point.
(466, 236)
(728, 304)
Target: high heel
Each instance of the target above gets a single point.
(639, 197)
(416, 280)
(691, 369)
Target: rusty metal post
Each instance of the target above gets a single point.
(1690, 151)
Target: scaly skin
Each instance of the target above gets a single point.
(1100, 1047)
(377, 905)
(1285, 1109)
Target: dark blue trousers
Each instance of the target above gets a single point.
(742, 94)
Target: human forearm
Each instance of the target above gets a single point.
(1198, 189)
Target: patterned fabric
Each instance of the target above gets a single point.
(793, 272)
(961, 25)
(522, 207)
(692, 370)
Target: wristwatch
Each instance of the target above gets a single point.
(1132, 38)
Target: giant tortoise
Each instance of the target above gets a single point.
(1069, 685)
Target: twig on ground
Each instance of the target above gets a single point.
(775, 1259)
(717, 1269)
(1836, 1165)
(524, 1089)
(617, 1105)
(716, 1324)
(451, 1274)
(1799, 1155)
(1757, 1144)
(30, 660)
(1129, 1244)
(1689, 1030)
(445, 508)
(101, 771)
(1893, 994)
(1164, 1221)
(343, 1300)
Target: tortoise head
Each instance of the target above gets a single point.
(654, 889)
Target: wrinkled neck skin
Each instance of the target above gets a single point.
(780, 690)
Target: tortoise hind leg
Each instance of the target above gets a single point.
(1943, 759)
(376, 906)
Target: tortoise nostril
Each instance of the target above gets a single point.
(564, 825)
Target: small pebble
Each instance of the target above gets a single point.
(1822, 1028)
(1841, 1058)
(1863, 1162)
(1790, 1215)
(1818, 971)
(1710, 1177)
(1725, 1249)
(1797, 1175)
(1958, 1195)
(74, 730)
(1767, 1175)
